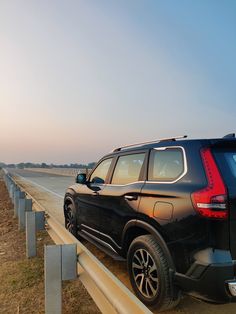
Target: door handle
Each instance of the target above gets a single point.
(131, 197)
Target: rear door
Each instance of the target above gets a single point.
(165, 195)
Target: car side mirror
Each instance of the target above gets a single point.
(81, 178)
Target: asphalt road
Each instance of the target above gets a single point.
(51, 183)
(49, 190)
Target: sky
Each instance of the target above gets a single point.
(80, 77)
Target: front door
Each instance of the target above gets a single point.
(87, 200)
(119, 200)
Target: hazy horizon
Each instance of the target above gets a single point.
(78, 78)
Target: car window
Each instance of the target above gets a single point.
(226, 159)
(128, 169)
(100, 173)
(165, 165)
(231, 160)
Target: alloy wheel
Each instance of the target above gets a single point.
(69, 219)
(145, 273)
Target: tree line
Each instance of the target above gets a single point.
(22, 165)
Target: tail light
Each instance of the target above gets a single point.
(211, 201)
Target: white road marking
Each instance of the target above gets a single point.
(40, 186)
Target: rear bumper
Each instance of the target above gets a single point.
(209, 277)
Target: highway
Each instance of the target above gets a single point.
(49, 189)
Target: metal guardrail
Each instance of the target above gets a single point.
(110, 295)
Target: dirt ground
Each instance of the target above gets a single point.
(76, 299)
(21, 279)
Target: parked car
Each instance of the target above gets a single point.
(169, 208)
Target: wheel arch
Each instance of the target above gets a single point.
(135, 228)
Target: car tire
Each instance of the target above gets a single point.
(70, 219)
(149, 274)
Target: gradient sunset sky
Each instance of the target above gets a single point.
(78, 78)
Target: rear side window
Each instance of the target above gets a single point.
(231, 160)
(100, 173)
(128, 169)
(226, 160)
(166, 165)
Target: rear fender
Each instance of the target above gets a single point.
(151, 230)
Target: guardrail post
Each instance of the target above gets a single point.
(15, 188)
(7, 181)
(35, 221)
(17, 195)
(12, 189)
(52, 273)
(25, 205)
(60, 263)
(15, 199)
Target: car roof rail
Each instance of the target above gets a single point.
(149, 142)
(230, 135)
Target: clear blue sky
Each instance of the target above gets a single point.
(80, 77)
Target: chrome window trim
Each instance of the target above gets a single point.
(185, 165)
(126, 183)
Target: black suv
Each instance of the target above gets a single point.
(169, 208)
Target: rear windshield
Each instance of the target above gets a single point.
(226, 160)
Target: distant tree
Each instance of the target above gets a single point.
(2, 164)
(11, 165)
(91, 165)
(21, 165)
(44, 165)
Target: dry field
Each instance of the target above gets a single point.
(21, 279)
